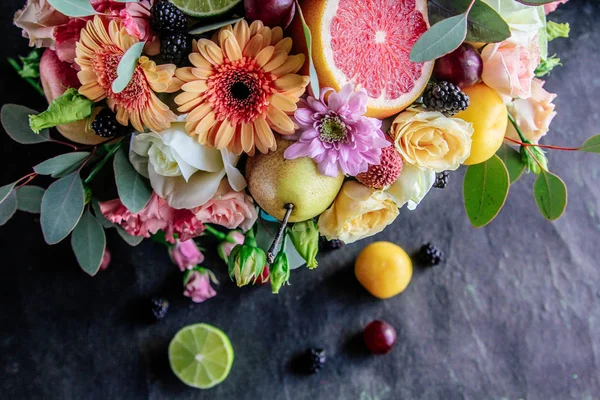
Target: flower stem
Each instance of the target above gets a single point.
(535, 158)
(516, 126)
(218, 234)
(280, 234)
(101, 164)
(33, 83)
(28, 178)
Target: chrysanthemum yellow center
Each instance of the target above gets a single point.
(332, 129)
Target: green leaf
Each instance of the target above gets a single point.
(442, 38)
(134, 190)
(15, 120)
(8, 207)
(29, 199)
(62, 206)
(484, 24)
(555, 30)
(212, 27)
(127, 67)
(314, 78)
(99, 216)
(513, 161)
(6, 190)
(550, 194)
(592, 145)
(88, 242)
(130, 240)
(60, 164)
(73, 8)
(485, 190)
(70, 107)
(547, 65)
(535, 2)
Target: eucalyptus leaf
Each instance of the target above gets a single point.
(513, 161)
(592, 145)
(130, 240)
(442, 38)
(58, 165)
(134, 190)
(312, 71)
(62, 206)
(6, 190)
(535, 2)
(551, 195)
(486, 187)
(15, 120)
(73, 8)
(29, 199)
(212, 27)
(88, 242)
(127, 67)
(8, 208)
(99, 216)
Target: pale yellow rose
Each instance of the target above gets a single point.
(430, 140)
(357, 212)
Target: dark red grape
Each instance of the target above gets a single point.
(462, 67)
(380, 337)
(271, 12)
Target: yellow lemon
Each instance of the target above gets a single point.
(489, 117)
(384, 269)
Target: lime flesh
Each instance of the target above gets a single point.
(205, 8)
(201, 356)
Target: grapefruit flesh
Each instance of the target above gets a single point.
(368, 43)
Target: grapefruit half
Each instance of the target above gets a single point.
(368, 42)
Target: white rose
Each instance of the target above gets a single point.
(524, 21)
(412, 186)
(182, 171)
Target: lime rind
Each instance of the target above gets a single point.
(205, 8)
(216, 356)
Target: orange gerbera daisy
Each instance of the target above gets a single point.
(98, 54)
(242, 87)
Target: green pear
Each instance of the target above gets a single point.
(275, 182)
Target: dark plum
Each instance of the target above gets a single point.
(271, 12)
(462, 67)
(380, 337)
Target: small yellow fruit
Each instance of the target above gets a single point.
(489, 117)
(384, 269)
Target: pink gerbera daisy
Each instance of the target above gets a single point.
(336, 134)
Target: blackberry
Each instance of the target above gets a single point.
(105, 125)
(167, 18)
(446, 98)
(159, 307)
(315, 360)
(175, 48)
(328, 245)
(430, 256)
(441, 180)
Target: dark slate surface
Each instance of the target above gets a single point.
(514, 313)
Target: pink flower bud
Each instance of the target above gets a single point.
(233, 239)
(106, 257)
(186, 254)
(197, 286)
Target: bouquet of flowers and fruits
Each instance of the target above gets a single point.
(277, 125)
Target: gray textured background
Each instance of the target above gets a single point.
(513, 314)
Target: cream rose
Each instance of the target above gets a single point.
(524, 21)
(430, 140)
(357, 212)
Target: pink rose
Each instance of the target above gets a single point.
(551, 7)
(38, 20)
(157, 215)
(56, 76)
(228, 208)
(197, 286)
(186, 254)
(233, 239)
(533, 115)
(106, 257)
(509, 68)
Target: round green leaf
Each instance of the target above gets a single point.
(8, 208)
(551, 195)
(15, 120)
(6, 190)
(213, 27)
(130, 240)
(62, 206)
(29, 199)
(73, 8)
(88, 241)
(485, 190)
(59, 165)
(127, 67)
(442, 38)
(513, 161)
(592, 145)
(134, 190)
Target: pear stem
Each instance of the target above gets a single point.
(271, 253)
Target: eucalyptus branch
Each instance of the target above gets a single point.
(102, 162)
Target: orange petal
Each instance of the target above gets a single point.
(232, 49)
(253, 46)
(290, 81)
(247, 134)
(224, 135)
(265, 32)
(291, 65)
(185, 74)
(211, 52)
(264, 135)
(242, 33)
(284, 103)
(187, 107)
(276, 35)
(202, 73)
(255, 27)
(199, 61)
(223, 35)
(280, 121)
(264, 56)
(200, 112)
(284, 44)
(276, 62)
(198, 86)
(206, 123)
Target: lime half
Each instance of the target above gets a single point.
(201, 356)
(205, 8)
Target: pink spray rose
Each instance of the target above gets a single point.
(157, 215)
(233, 239)
(38, 20)
(551, 7)
(533, 115)
(509, 68)
(106, 257)
(228, 208)
(186, 254)
(56, 76)
(197, 286)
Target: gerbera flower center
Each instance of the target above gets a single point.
(332, 129)
(240, 91)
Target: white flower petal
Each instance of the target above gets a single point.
(188, 150)
(412, 186)
(235, 177)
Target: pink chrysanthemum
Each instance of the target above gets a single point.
(336, 134)
(384, 174)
